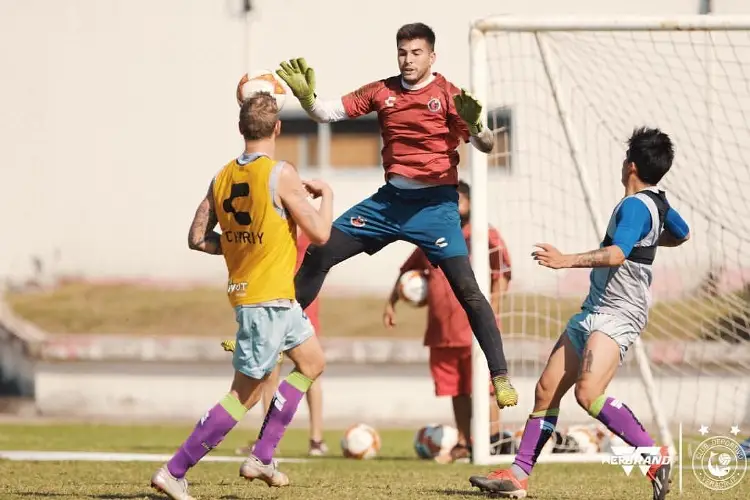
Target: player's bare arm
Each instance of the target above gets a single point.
(294, 193)
(498, 287)
(389, 312)
(549, 256)
(202, 236)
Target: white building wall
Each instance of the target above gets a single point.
(115, 114)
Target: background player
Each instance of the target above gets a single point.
(423, 117)
(257, 201)
(448, 333)
(614, 313)
(314, 395)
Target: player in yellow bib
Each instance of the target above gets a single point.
(258, 203)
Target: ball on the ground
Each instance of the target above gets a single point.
(435, 440)
(261, 81)
(412, 288)
(360, 442)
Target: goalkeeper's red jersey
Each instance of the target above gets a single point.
(421, 129)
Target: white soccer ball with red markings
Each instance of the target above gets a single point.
(412, 288)
(261, 81)
(435, 440)
(360, 442)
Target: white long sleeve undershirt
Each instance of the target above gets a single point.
(326, 111)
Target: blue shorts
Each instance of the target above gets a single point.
(264, 333)
(426, 217)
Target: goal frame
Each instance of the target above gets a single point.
(479, 83)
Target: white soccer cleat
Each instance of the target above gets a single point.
(252, 469)
(176, 489)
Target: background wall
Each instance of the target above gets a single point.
(115, 114)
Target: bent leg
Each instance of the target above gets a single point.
(558, 377)
(304, 349)
(320, 259)
(601, 359)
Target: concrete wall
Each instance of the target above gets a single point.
(116, 114)
(376, 394)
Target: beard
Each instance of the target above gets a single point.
(465, 218)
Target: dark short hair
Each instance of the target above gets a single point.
(464, 188)
(416, 31)
(652, 152)
(258, 116)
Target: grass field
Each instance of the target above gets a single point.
(395, 475)
(150, 310)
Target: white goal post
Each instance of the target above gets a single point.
(570, 91)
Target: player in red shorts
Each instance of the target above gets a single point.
(423, 119)
(314, 394)
(448, 333)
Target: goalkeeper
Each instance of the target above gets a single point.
(423, 119)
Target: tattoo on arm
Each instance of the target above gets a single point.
(594, 258)
(202, 236)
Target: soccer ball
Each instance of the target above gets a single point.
(261, 81)
(412, 288)
(435, 440)
(361, 442)
(586, 439)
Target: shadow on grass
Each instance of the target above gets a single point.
(461, 493)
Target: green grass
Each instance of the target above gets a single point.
(150, 310)
(395, 475)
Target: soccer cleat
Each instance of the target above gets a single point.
(165, 482)
(659, 476)
(501, 483)
(252, 469)
(505, 393)
(228, 345)
(317, 448)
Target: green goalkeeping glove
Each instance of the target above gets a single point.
(470, 111)
(301, 80)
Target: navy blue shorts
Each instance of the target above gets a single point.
(426, 217)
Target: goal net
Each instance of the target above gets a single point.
(563, 96)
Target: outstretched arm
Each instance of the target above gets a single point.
(301, 80)
(632, 223)
(202, 236)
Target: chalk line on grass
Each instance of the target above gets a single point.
(94, 456)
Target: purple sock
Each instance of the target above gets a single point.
(539, 428)
(280, 413)
(207, 434)
(619, 419)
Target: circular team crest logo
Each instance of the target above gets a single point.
(434, 104)
(719, 463)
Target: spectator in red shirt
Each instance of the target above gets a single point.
(314, 395)
(448, 333)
